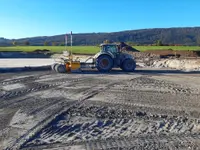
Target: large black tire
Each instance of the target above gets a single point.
(104, 63)
(128, 65)
(53, 66)
(60, 68)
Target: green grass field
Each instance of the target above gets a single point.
(75, 49)
(91, 49)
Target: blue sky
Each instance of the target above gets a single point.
(28, 18)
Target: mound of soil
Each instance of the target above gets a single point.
(19, 54)
(125, 47)
(44, 51)
(143, 55)
(172, 53)
(179, 64)
(159, 54)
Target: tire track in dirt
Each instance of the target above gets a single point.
(34, 87)
(168, 141)
(26, 79)
(32, 84)
(181, 130)
(169, 87)
(175, 142)
(181, 141)
(154, 109)
(42, 108)
(12, 100)
(103, 127)
(20, 80)
(15, 96)
(18, 93)
(90, 93)
(125, 123)
(122, 94)
(15, 99)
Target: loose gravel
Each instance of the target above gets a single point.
(44, 110)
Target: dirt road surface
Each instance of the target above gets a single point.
(91, 111)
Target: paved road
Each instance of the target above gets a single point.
(10, 63)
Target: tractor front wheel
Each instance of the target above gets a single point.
(104, 63)
(128, 65)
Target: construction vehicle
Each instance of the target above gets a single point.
(110, 56)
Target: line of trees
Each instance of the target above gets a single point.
(27, 43)
(156, 43)
(46, 43)
(54, 43)
(15, 43)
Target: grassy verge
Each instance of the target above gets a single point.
(91, 49)
(75, 49)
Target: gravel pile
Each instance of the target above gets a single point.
(179, 64)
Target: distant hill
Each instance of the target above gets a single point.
(183, 36)
(5, 42)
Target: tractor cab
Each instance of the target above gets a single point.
(110, 48)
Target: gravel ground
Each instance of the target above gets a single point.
(147, 109)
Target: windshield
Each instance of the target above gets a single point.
(110, 48)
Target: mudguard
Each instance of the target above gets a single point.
(103, 53)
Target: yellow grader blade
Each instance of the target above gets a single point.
(73, 66)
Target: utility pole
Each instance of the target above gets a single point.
(71, 42)
(65, 41)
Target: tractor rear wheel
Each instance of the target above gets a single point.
(60, 68)
(104, 63)
(128, 65)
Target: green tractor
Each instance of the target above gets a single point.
(110, 56)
